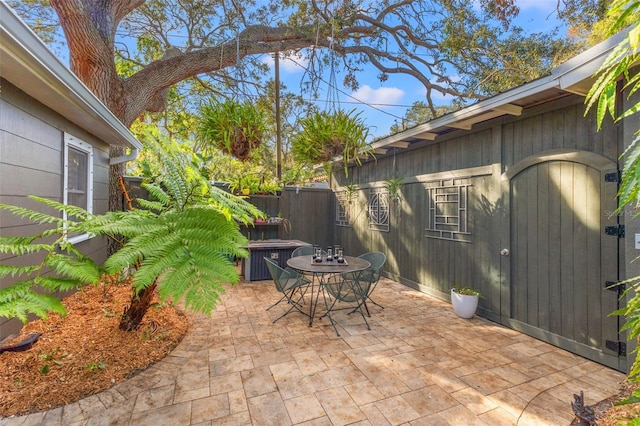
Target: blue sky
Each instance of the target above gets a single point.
(392, 98)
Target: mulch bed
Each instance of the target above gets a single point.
(84, 352)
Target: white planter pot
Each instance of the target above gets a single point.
(464, 306)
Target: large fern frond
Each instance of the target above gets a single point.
(232, 206)
(19, 300)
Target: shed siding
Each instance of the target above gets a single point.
(31, 153)
(550, 211)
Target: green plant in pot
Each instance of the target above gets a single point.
(326, 135)
(464, 301)
(235, 128)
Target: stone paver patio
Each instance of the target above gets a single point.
(418, 365)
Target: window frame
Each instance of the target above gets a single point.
(72, 142)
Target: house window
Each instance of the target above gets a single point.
(379, 210)
(448, 212)
(342, 209)
(78, 177)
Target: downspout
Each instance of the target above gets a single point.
(125, 158)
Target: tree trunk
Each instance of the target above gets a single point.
(116, 202)
(135, 312)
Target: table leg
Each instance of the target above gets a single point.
(314, 303)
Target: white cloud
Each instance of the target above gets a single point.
(381, 96)
(289, 63)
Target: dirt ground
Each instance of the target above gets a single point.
(84, 352)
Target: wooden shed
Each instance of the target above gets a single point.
(515, 196)
(54, 137)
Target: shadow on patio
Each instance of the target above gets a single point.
(419, 365)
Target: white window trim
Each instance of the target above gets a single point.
(72, 141)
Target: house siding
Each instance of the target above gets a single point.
(31, 155)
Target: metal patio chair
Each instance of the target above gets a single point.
(289, 283)
(377, 260)
(347, 291)
(302, 251)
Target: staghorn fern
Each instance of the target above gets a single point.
(327, 135)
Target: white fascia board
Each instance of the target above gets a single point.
(27, 63)
(574, 71)
(586, 64)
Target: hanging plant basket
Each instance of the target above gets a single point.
(327, 135)
(235, 128)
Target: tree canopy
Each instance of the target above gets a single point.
(136, 54)
(450, 46)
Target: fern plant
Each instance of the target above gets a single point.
(324, 136)
(181, 243)
(235, 128)
(53, 264)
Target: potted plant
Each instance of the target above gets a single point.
(464, 301)
(326, 135)
(235, 128)
(243, 184)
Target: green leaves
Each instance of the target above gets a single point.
(50, 265)
(185, 239)
(235, 128)
(604, 94)
(326, 135)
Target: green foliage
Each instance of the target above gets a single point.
(631, 312)
(603, 95)
(631, 399)
(393, 185)
(188, 236)
(93, 366)
(235, 128)
(53, 264)
(467, 291)
(419, 113)
(325, 135)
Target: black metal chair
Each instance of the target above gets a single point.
(377, 260)
(287, 282)
(347, 291)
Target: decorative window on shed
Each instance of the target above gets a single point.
(379, 210)
(78, 178)
(342, 209)
(448, 214)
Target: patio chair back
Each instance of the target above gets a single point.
(347, 291)
(302, 251)
(377, 260)
(287, 282)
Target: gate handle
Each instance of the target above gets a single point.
(504, 252)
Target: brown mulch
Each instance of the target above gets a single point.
(85, 352)
(608, 414)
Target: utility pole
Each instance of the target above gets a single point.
(278, 130)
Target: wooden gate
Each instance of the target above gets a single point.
(564, 251)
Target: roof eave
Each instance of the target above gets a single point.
(574, 76)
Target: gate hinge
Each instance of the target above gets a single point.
(617, 230)
(614, 286)
(613, 177)
(617, 346)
